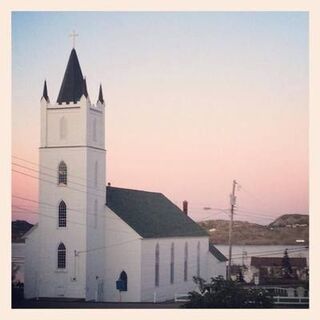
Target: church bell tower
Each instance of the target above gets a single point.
(71, 189)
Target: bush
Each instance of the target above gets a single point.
(222, 293)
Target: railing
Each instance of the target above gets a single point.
(181, 297)
(291, 300)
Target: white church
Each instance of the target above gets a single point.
(101, 243)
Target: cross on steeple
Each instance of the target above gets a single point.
(73, 35)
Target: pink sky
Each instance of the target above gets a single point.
(187, 111)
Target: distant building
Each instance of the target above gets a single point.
(270, 269)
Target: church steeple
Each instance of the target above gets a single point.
(100, 98)
(84, 88)
(73, 86)
(45, 92)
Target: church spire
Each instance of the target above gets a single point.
(100, 98)
(72, 84)
(84, 87)
(45, 92)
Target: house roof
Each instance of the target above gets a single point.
(277, 262)
(73, 84)
(216, 253)
(151, 214)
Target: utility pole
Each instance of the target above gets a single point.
(233, 203)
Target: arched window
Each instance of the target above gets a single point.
(185, 271)
(94, 129)
(95, 213)
(62, 219)
(157, 261)
(96, 174)
(61, 256)
(62, 173)
(172, 263)
(198, 259)
(63, 128)
(123, 277)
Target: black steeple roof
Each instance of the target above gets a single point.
(100, 98)
(45, 92)
(73, 86)
(84, 88)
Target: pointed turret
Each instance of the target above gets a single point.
(84, 88)
(100, 98)
(72, 84)
(45, 92)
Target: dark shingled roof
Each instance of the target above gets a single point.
(151, 214)
(216, 253)
(73, 85)
(277, 262)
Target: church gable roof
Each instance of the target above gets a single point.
(151, 214)
(217, 253)
(73, 85)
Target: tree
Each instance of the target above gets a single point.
(220, 293)
(286, 265)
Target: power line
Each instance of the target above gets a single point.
(50, 175)
(48, 181)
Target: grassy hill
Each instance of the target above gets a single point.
(284, 230)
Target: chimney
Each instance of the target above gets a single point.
(185, 207)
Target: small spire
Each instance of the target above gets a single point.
(100, 95)
(45, 92)
(84, 87)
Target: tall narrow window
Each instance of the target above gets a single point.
(172, 263)
(198, 259)
(185, 271)
(94, 128)
(96, 174)
(62, 220)
(63, 128)
(62, 173)
(61, 256)
(157, 261)
(95, 213)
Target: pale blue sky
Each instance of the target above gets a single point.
(194, 99)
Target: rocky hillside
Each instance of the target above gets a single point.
(284, 230)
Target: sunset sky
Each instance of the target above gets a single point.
(194, 100)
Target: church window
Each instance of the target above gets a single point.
(62, 173)
(95, 213)
(62, 215)
(185, 271)
(157, 261)
(63, 128)
(94, 128)
(198, 259)
(96, 174)
(124, 278)
(172, 263)
(61, 256)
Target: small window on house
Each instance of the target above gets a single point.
(62, 220)
(61, 256)
(185, 271)
(157, 261)
(94, 128)
(62, 173)
(172, 263)
(198, 259)
(63, 128)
